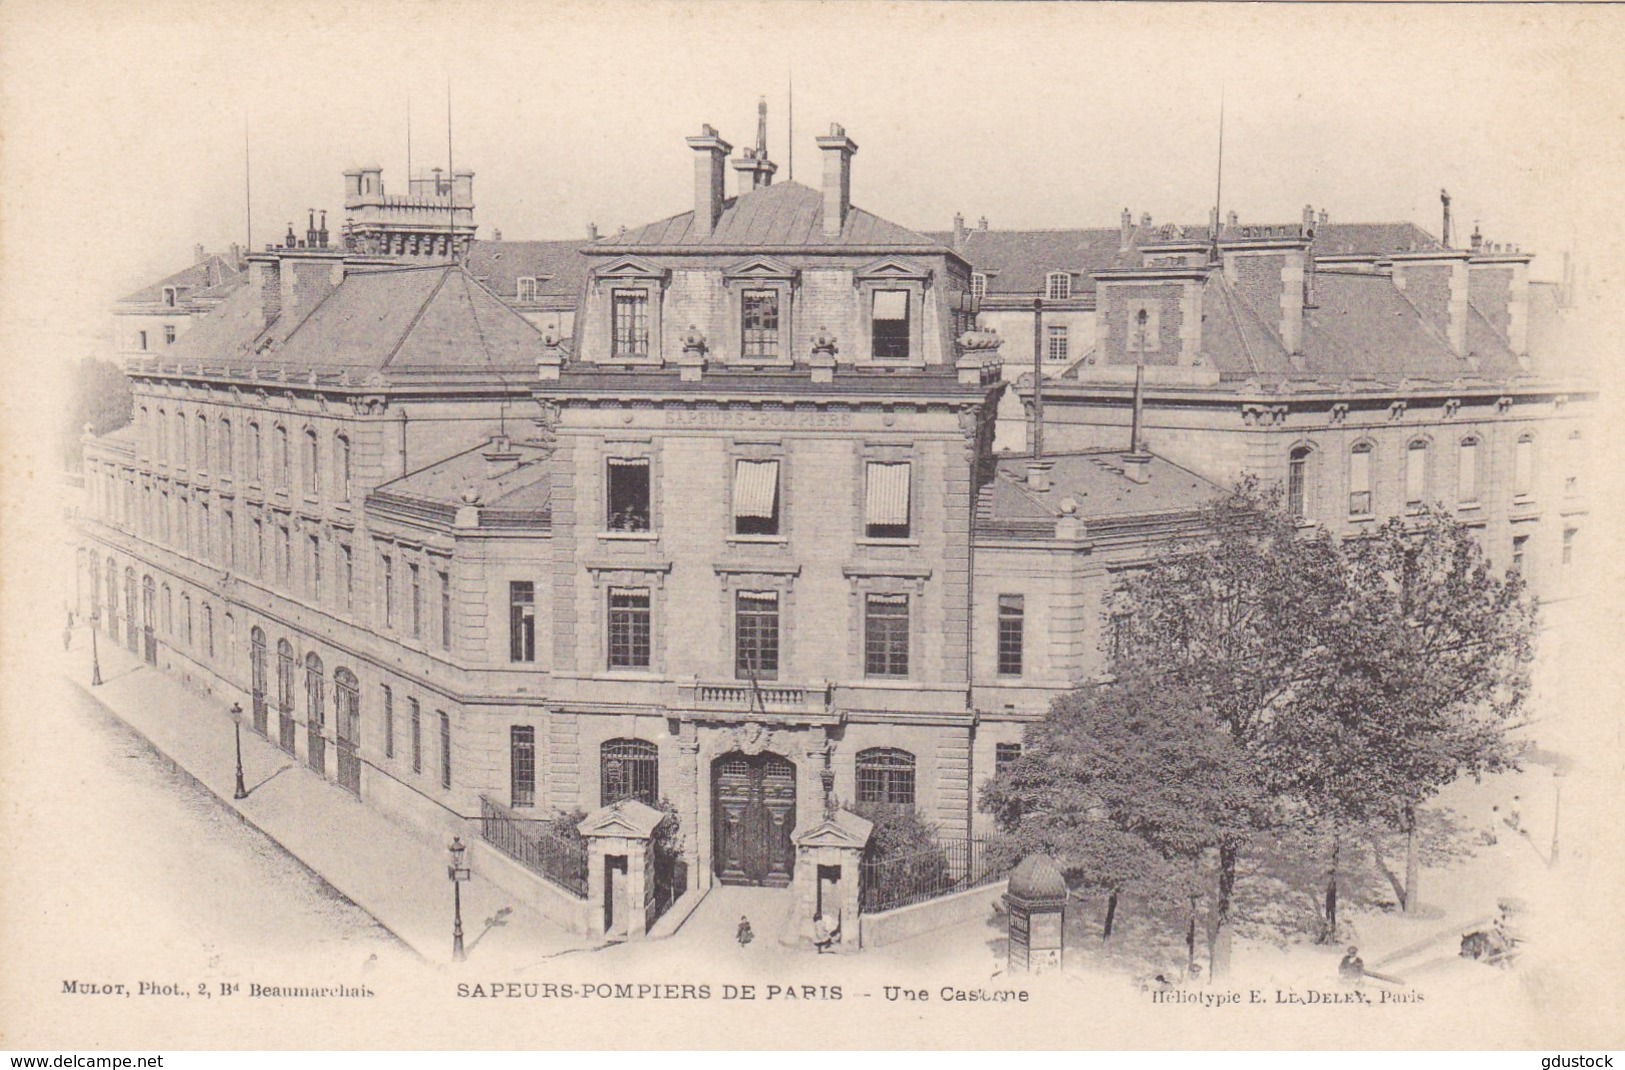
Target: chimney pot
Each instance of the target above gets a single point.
(1145, 220)
(1324, 217)
(592, 231)
(710, 167)
(981, 224)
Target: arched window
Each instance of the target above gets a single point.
(228, 459)
(284, 674)
(1523, 466)
(1416, 472)
(180, 439)
(168, 609)
(208, 631)
(341, 466)
(1360, 479)
(886, 778)
(1467, 461)
(347, 706)
(256, 453)
(313, 466)
(315, 692)
(1058, 286)
(257, 665)
(282, 461)
(186, 619)
(202, 442)
(161, 435)
(112, 591)
(1297, 482)
(629, 769)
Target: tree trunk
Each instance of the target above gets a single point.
(1111, 916)
(1328, 935)
(1413, 863)
(1190, 939)
(1219, 939)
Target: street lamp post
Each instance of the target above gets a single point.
(95, 654)
(458, 874)
(237, 728)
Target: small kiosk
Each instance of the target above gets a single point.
(1036, 899)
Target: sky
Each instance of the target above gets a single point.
(126, 125)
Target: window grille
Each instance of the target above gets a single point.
(886, 778)
(522, 766)
(629, 769)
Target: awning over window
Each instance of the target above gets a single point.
(756, 485)
(891, 305)
(888, 493)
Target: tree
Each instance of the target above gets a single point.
(1426, 662)
(1126, 784)
(100, 397)
(1234, 618)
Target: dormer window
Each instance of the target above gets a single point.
(1058, 286)
(169, 296)
(527, 289)
(631, 324)
(890, 325)
(759, 324)
(978, 285)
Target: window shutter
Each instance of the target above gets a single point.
(887, 502)
(756, 485)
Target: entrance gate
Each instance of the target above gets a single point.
(754, 807)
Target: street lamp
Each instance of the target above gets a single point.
(95, 654)
(458, 874)
(237, 728)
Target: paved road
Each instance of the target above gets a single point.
(130, 870)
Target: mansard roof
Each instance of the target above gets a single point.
(1095, 481)
(436, 319)
(786, 215)
(209, 277)
(559, 267)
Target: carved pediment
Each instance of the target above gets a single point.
(892, 267)
(761, 267)
(842, 829)
(629, 819)
(630, 267)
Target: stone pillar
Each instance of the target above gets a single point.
(828, 852)
(1036, 899)
(620, 867)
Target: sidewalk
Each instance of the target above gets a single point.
(393, 873)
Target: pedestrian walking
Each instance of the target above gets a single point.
(744, 935)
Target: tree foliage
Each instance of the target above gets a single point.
(101, 398)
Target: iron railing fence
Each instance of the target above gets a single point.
(530, 843)
(949, 866)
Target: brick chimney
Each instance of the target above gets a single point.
(710, 167)
(838, 150)
(1273, 274)
(959, 231)
(1498, 287)
(1125, 231)
(1436, 282)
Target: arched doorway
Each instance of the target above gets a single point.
(347, 712)
(753, 806)
(315, 714)
(149, 629)
(259, 678)
(284, 694)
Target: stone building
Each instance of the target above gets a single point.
(707, 513)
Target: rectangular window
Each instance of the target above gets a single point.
(886, 500)
(1058, 286)
(522, 764)
(1523, 467)
(316, 567)
(1012, 610)
(1520, 549)
(521, 621)
(1569, 535)
(886, 635)
(631, 326)
(415, 575)
(285, 563)
(629, 628)
(205, 547)
(759, 315)
(1416, 473)
(756, 498)
(169, 335)
(756, 635)
(527, 289)
(417, 735)
(259, 548)
(889, 325)
(1467, 473)
(1360, 481)
(141, 339)
(978, 285)
(1055, 349)
(389, 591)
(346, 576)
(1297, 483)
(389, 722)
(1005, 755)
(445, 749)
(445, 610)
(627, 503)
(229, 538)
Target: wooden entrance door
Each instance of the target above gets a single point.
(258, 674)
(347, 708)
(754, 806)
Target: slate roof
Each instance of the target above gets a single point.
(559, 267)
(204, 278)
(786, 215)
(1095, 480)
(434, 319)
(1016, 261)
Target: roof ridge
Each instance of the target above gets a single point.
(417, 317)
